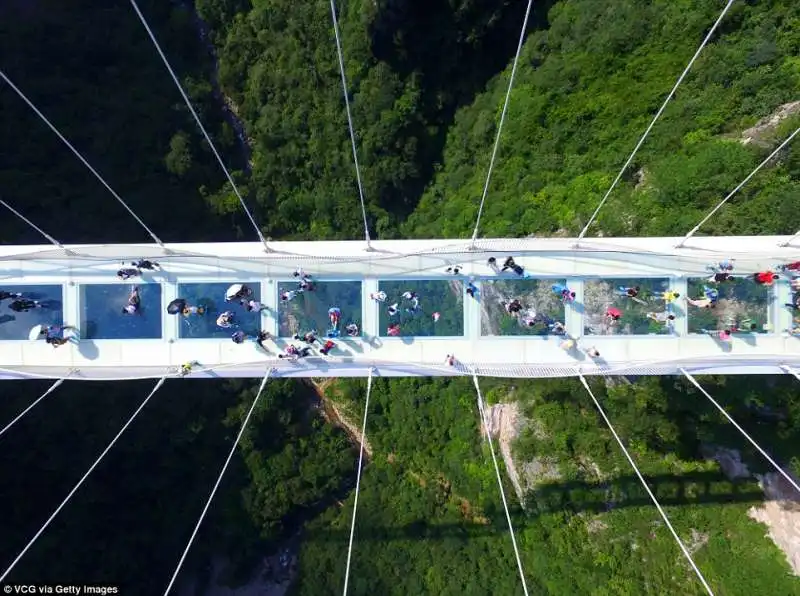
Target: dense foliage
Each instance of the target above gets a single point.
(426, 88)
(585, 91)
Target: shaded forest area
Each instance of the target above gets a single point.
(426, 86)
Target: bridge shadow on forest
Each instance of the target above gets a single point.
(690, 489)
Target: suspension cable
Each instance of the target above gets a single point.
(766, 455)
(349, 119)
(219, 480)
(485, 421)
(682, 546)
(200, 124)
(81, 481)
(47, 236)
(502, 120)
(79, 156)
(790, 240)
(655, 119)
(788, 369)
(53, 387)
(738, 188)
(358, 481)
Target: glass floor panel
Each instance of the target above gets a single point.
(742, 304)
(102, 317)
(540, 305)
(308, 311)
(211, 298)
(17, 325)
(601, 294)
(445, 297)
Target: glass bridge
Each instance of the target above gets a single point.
(77, 286)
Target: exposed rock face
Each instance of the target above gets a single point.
(504, 425)
(781, 514)
(729, 461)
(760, 133)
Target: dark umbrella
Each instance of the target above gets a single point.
(176, 306)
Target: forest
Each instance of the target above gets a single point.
(427, 82)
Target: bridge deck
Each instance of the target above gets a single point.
(79, 271)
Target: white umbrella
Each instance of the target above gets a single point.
(231, 292)
(36, 332)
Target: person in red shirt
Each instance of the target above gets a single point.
(329, 345)
(765, 278)
(613, 315)
(393, 330)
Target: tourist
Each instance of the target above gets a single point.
(127, 272)
(134, 303)
(147, 265)
(253, 306)
(56, 341)
(308, 338)
(661, 317)
(721, 277)
(261, 338)
(795, 266)
(225, 320)
(334, 314)
(592, 352)
(564, 292)
(765, 278)
(629, 292)
(726, 265)
(702, 302)
(4, 295)
(24, 304)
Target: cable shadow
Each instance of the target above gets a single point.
(353, 346)
(691, 489)
(748, 338)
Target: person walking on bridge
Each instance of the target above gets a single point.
(147, 265)
(564, 292)
(661, 317)
(226, 320)
(4, 295)
(765, 278)
(702, 302)
(127, 272)
(133, 307)
(24, 304)
(669, 296)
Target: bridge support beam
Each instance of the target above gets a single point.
(369, 311)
